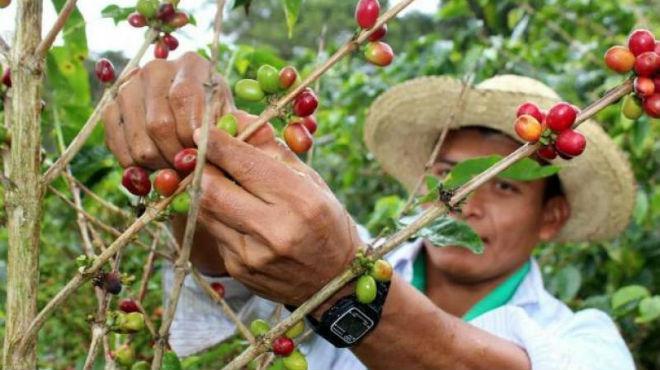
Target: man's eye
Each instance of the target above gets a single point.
(505, 186)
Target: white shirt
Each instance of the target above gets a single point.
(554, 337)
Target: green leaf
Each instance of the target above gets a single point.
(524, 170)
(649, 310)
(566, 283)
(446, 231)
(641, 206)
(385, 213)
(432, 185)
(627, 295)
(291, 10)
(117, 13)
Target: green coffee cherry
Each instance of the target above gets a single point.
(141, 365)
(228, 123)
(249, 90)
(259, 327)
(381, 270)
(181, 203)
(148, 8)
(269, 78)
(295, 361)
(365, 290)
(171, 361)
(295, 330)
(125, 355)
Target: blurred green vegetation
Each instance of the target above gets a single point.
(560, 42)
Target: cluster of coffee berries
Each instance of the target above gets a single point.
(166, 181)
(376, 51)
(379, 270)
(642, 56)
(283, 346)
(302, 125)
(163, 17)
(552, 129)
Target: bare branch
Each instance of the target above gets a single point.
(46, 43)
(4, 49)
(181, 267)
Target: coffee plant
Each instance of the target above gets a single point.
(52, 154)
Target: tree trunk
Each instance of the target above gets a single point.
(23, 197)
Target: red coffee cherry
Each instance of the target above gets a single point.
(643, 86)
(528, 128)
(305, 103)
(641, 41)
(161, 51)
(652, 105)
(136, 181)
(297, 137)
(619, 59)
(104, 70)
(137, 20)
(379, 33)
(185, 160)
(128, 305)
(171, 42)
(179, 20)
(646, 64)
(531, 109)
(166, 12)
(547, 152)
(283, 346)
(218, 288)
(379, 53)
(366, 13)
(166, 182)
(310, 123)
(570, 143)
(6, 78)
(288, 76)
(561, 117)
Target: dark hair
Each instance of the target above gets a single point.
(553, 186)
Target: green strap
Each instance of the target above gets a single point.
(496, 298)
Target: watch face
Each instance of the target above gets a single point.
(352, 325)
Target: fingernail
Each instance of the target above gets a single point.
(196, 135)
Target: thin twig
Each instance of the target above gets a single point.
(93, 120)
(4, 49)
(317, 86)
(434, 211)
(147, 320)
(274, 110)
(181, 266)
(223, 304)
(46, 43)
(146, 271)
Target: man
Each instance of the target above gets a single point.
(271, 223)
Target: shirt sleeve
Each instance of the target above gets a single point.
(587, 340)
(199, 323)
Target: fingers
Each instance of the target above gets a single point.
(114, 135)
(260, 174)
(160, 123)
(131, 103)
(232, 205)
(187, 95)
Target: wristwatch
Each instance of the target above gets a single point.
(349, 320)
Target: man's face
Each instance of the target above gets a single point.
(509, 216)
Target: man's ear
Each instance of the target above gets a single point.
(556, 212)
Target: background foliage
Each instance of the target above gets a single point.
(557, 41)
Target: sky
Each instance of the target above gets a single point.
(103, 35)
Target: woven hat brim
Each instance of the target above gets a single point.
(404, 123)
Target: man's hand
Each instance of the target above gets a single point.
(276, 224)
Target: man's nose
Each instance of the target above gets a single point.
(473, 207)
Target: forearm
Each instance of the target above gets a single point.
(415, 334)
(204, 255)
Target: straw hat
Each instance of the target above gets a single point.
(404, 123)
